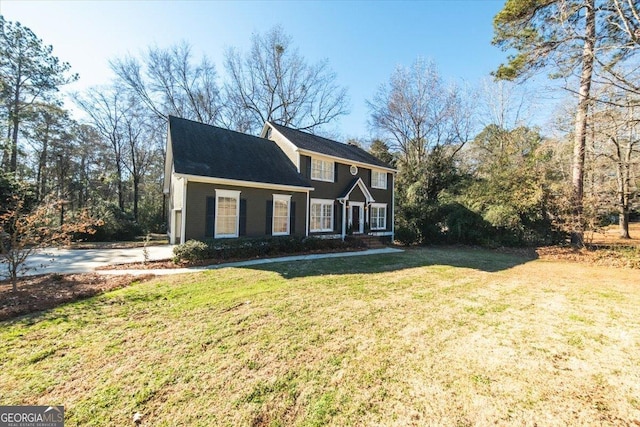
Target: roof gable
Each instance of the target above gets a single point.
(209, 151)
(320, 145)
(357, 182)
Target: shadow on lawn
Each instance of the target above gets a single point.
(463, 257)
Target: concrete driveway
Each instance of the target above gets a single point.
(87, 260)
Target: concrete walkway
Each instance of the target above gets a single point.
(249, 263)
(66, 261)
(54, 260)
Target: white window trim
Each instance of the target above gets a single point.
(374, 184)
(378, 206)
(285, 198)
(321, 202)
(233, 194)
(333, 169)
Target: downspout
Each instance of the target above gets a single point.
(393, 207)
(306, 213)
(184, 210)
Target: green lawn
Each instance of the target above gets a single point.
(427, 337)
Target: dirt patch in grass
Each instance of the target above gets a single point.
(37, 293)
(611, 236)
(610, 257)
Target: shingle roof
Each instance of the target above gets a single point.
(329, 147)
(210, 151)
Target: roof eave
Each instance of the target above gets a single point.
(345, 160)
(241, 183)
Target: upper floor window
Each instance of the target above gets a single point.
(322, 170)
(378, 179)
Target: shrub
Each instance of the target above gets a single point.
(194, 250)
(191, 250)
(406, 235)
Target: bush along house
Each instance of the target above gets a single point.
(226, 184)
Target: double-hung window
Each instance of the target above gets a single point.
(281, 210)
(227, 213)
(378, 216)
(322, 170)
(321, 215)
(379, 179)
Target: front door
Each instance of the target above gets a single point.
(356, 217)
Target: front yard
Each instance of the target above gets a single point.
(427, 337)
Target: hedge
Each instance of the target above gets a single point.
(196, 250)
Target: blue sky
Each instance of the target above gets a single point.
(363, 41)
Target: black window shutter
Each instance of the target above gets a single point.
(268, 226)
(336, 214)
(335, 171)
(210, 220)
(243, 218)
(292, 218)
(307, 161)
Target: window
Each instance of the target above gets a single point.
(281, 206)
(378, 216)
(227, 213)
(379, 179)
(321, 170)
(321, 215)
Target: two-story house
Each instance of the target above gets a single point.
(226, 184)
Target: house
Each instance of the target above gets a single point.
(225, 184)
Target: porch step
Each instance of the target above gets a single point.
(371, 242)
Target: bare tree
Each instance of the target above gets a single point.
(504, 104)
(168, 81)
(107, 109)
(273, 82)
(419, 113)
(617, 139)
(138, 133)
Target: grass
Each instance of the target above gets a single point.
(427, 337)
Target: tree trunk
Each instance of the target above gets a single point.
(13, 162)
(579, 143)
(42, 178)
(136, 196)
(119, 179)
(624, 223)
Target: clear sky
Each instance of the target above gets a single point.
(363, 41)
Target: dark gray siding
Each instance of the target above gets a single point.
(343, 178)
(256, 207)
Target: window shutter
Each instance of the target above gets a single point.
(210, 219)
(336, 216)
(292, 218)
(335, 171)
(268, 226)
(243, 218)
(307, 162)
